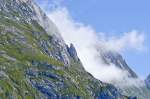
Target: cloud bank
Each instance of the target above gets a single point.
(86, 40)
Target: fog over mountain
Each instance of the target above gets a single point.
(99, 54)
(89, 45)
(44, 56)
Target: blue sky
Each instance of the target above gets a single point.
(114, 17)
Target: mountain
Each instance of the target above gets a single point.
(147, 82)
(112, 57)
(130, 85)
(35, 63)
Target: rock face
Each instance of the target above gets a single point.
(147, 82)
(72, 52)
(35, 63)
(115, 58)
(138, 88)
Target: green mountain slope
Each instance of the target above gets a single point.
(35, 63)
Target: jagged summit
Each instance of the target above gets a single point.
(72, 51)
(133, 84)
(112, 57)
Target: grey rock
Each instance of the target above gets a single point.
(72, 52)
(112, 57)
(147, 82)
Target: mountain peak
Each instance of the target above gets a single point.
(112, 57)
(147, 81)
(72, 52)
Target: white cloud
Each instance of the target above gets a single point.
(86, 40)
(130, 40)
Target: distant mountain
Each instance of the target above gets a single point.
(137, 86)
(147, 81)
(35, 63)
(112, 57)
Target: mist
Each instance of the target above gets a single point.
(89, 43)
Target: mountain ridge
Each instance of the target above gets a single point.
(131, 84)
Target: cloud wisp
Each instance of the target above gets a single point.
(86, 40)
(130, 40)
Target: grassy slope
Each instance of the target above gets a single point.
(19, 47)
(13, 81)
